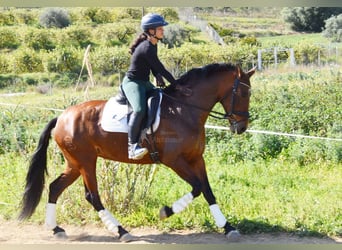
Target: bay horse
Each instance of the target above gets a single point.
(180, 140)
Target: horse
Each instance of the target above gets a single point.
(180, 140)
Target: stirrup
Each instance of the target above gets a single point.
(135, 152)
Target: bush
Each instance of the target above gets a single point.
(309, 19)
(38, 39)
(4, 65)
(64, 60)
(6, 18)
(306, 53)
(333, 28)
(115, 34)
(26, 16)
(54, 17)
(9, 38)
(174, 35)
(76, 36)
(98, 15)
(27, 60)
(110, 60)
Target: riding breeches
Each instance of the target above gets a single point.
(136, 93)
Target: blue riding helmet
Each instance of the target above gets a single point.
(151, 21)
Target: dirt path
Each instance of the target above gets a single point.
(15, 233)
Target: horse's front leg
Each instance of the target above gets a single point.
(183, 170)
(195, 174)
(220, 220)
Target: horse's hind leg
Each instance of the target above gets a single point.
(56, 188)
(92, 196)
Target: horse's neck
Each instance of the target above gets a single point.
(196, 107)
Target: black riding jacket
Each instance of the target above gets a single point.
(144, 60)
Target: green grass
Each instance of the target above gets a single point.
(269, 196)
(294, 39)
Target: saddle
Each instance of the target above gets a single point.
(116, 115)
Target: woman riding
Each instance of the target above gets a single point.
(136, 84)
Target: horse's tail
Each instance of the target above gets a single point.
(35, 178)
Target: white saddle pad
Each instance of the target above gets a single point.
(114, 117)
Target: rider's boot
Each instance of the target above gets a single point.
(135, 152)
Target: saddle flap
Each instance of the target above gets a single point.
(115, 115)
(153, 103)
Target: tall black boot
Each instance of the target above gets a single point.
(135, 152)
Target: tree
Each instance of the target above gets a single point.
(309, 19)
(54, 17)
(333, 28)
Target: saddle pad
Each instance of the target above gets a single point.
(114, 117)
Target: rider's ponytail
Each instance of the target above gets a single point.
(142, 37)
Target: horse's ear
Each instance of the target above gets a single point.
(238, 71)
(251, 71)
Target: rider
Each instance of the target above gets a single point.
(136, 84)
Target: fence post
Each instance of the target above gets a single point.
(275, 52)
(259, 60)
(292, 57)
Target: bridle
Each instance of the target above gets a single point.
(230, 115)
(218, 115)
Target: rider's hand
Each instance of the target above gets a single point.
(160, 81)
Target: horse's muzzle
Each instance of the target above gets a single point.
(239, 127)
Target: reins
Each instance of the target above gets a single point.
(196, 107)
(216, 114)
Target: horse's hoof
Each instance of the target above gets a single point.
(61, 236)
(162, 213)
(127, 237)
(165, 212)
(59, 233)
(233, 235)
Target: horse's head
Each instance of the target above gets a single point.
(236, 101)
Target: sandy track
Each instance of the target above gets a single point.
(27, 233)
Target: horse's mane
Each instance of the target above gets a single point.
(204, 72)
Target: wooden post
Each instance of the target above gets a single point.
(259, 59)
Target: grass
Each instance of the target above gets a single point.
(270, 196)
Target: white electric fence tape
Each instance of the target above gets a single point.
(207, 126)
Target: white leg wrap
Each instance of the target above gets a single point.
(182, 203)
(108, 219)
(220, 219)
(50, 218)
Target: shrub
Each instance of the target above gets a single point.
(4, 65)
(107, 60)
(38, 39)
(250, 40)
(27, 60)
(64, 60)
(26, 16)
(54, 17)
(76, 36)
(333, 28)
(174, 35)
(306, 53)
(308, 18)
(115, 34)
(9, 38)
(98, 15)
(6, 18)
